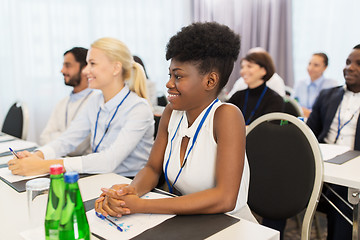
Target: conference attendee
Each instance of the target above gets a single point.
(201, 141)
(335, 120)
(68, 108)
(258, 99)
(306, 90)
(276, 83)
(151, 85)
(118, 119)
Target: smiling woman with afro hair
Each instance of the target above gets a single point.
(200, 145)
(213, 46)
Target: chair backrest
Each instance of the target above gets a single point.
(16, 121)
(292, 107)
(156, 125)
(286, 168)
(162, 101)
(289, 91)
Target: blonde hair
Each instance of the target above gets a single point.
(132, 72)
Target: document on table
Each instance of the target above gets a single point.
(330, 151)
(132, 225)
(16, 145)
(6, 174)
(338, 154)
(5, 159)
(6, 138)
(34, 234)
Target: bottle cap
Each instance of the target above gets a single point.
(56, 169)
(71, 177)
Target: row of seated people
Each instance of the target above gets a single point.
(119, 121)
(332, 116)
(305, 90)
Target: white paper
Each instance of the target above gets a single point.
(6, 138)
(132, 225)
(34, 234)
(5, 159)
(330, 151)
(6, 174)
(16, 145)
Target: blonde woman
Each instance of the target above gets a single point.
(119, 119)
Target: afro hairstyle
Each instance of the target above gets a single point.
(212, 46)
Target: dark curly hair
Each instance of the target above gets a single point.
(211, 46)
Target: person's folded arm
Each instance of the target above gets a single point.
(147, 178)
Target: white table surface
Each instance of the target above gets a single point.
(13, 205)
(13, 210)
(346, 174)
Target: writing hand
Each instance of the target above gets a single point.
(27, 165)
(24, 154)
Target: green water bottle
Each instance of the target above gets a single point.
(55, 202)
(73, 221)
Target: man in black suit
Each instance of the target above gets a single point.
(335, 120)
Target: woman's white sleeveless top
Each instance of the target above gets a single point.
(198, 173)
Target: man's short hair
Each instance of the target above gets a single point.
(79, 54)
(324, 57)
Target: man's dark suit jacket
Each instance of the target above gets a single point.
(323, 113)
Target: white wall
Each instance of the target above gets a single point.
(329, 26)
(36, 33)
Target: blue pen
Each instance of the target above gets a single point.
(109, 220)
(14, 153)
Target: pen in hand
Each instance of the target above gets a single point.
(14, 153)
(109, 220)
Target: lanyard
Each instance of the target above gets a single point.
(340, 127)
(256, 106)
(77, 109)
(191, 147)
(107, 128)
